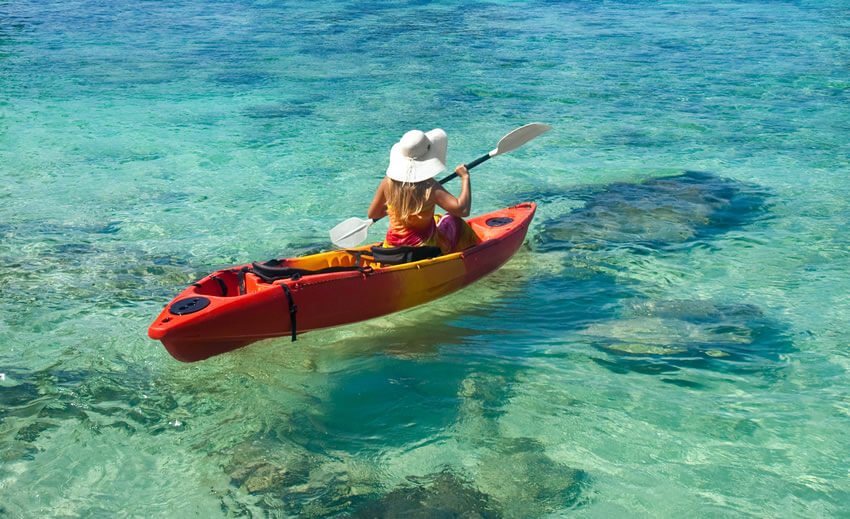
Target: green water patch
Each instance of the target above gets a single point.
(48, 266)
(399, 381)
(416, 399)
(36, 404)
(93, 274)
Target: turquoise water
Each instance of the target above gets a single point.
(671, 342)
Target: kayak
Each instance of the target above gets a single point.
(234, 307)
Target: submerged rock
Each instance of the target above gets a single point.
(697, 333)
(655, 214)
(441, 495)
(267, 467)
(626, 236)
(264, 477)
(527, 482)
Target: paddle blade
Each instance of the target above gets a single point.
(518, 137)
(350, 233)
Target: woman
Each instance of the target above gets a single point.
(409, 195)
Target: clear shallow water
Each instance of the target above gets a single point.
(671, 341)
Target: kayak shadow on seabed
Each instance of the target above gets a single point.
(444, 390)
(612, 251)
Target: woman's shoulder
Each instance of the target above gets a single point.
(435, 186)
(437, 190)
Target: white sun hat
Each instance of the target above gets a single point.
(418, 156)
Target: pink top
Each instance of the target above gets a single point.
(416, 230)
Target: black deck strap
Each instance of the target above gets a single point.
(293, 309)
(221, 284)
(240, 275)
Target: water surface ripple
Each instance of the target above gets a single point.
(670, 341)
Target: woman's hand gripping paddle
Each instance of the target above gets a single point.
(354, 231)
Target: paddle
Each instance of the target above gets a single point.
(353, 231)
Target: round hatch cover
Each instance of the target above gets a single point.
(499, 221)
(189, 305)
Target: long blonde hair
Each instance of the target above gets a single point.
(408, 198)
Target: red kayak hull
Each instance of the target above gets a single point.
(217, 315)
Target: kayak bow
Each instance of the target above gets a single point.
(234, 307)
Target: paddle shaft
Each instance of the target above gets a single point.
(469, 166)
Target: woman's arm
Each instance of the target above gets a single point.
(461, 205)
(378, 208)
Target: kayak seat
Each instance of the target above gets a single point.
(401, 255)
(272, 270)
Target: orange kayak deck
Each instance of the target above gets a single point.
(234, 307)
